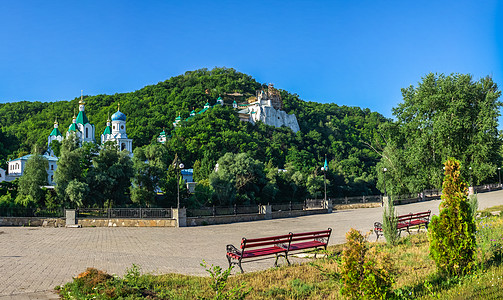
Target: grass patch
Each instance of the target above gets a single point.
(493, 208)
(416, 276)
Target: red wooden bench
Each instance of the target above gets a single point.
(279, 246)
(256, 249)
(310, 240)
(405, 222)
(420, 219)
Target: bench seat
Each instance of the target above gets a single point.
(418, 222)
(258, 252)
(279, 246)
(306, 245)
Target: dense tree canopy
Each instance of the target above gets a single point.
(444, 116)
(340, 132)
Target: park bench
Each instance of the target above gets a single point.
(406, 222)
(260, 248)
(310, 240)
(277, 246)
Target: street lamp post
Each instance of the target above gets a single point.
(384, 176)
(325, 169)
(471, 179)
(499, 176)
(325, 181)
(178, 166)
(385, 181)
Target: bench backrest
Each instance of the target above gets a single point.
(266, 241)
(422, 215)
(405, 218)
(323, 234)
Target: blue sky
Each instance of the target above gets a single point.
(356, 53)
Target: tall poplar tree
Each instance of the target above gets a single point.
(34, 177)
(444, 116)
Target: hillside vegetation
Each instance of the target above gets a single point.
(338, 131)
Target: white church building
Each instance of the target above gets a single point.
(116, 132)
(84, 131)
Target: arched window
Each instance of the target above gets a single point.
(52, 178)
(87, 133)
(52, 167)
(123, 146)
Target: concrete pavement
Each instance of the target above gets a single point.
(33, 260)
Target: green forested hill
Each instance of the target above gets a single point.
(338, 131)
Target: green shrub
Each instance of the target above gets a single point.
(452, 233)
(219, 282)
(389, 223)
(365, 273)
(473, 202)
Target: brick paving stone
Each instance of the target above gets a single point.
(33, 260)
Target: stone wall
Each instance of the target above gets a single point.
(199, 221)
(126, 223)
(43, 222)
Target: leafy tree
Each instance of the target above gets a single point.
(56, 147)
(238, 178)
(73, 164)
(110, 176)
(34, 177)
(77, 192)
(444, 116)
(150, 164)
(315, 186)
(452, 233)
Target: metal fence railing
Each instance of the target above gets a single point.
(356, 199)
(31, 212)
(222, 210)
(288, 206)
(124, 213)
(487, 188)
(314, 203)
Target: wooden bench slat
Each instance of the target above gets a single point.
(306, 245)
(312, 233)
(263, 252)
(273, 242)
(303, 238)
(285, 236)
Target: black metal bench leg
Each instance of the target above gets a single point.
(241, 268)
(286, 257)
(276, 261)
(229, 260)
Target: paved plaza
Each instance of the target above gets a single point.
(33, 260)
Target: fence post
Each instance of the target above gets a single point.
(235, 209)
(214, 212)
(71, 218)
(346, 199)
(180, 215)
(266, 210)
(328, 205)
(290, 206)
